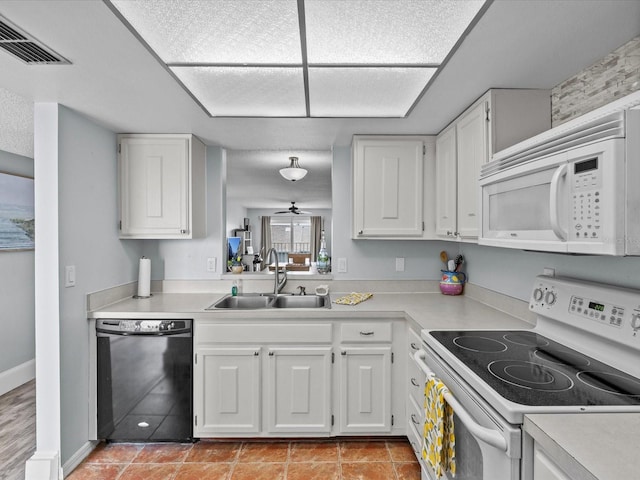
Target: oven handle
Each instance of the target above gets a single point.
(492, 437)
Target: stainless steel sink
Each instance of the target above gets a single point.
(243, 302)
(301, 301)
(259, 301)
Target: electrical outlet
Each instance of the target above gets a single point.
(211, 264)
(342, 265)
(550, 272)
(399, 264)
(70, 276)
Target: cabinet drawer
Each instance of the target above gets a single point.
(415, 415)
(413, 342)
(365, 332)
(263, 333)
(416, 380)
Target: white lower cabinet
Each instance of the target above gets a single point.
(297, 379)
(227, 391)
(544, 468)
(299, 390)
(365, 389)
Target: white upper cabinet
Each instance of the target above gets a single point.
(497, 120)
(162, 186)
(388, 184)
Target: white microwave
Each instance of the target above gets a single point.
(573, 189)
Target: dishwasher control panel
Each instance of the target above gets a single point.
(142, 327)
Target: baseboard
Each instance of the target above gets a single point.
(77, 458)
(43, 466)
(16, 376)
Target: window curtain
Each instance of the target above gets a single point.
(315, 234)
(265, 238)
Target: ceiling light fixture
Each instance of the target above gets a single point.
(293, 172)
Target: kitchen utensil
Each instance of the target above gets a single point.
(459, 260)
(451, 265)
(444, 257)
(451, 283)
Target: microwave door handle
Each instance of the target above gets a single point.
(491, 437)
(553, 203)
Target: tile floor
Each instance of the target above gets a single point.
(259, 460)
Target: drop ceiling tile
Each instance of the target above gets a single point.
(385, 31)
(246, 91)
(365, 92)
(217, 31)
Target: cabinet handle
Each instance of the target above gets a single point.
(414, 382)
(366, 334)
(255, 354)
(343, 352)
(360, 232)
(271, 354)
(183, 231)
(413, 419)
(414, 346)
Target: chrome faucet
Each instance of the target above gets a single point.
(278, 282)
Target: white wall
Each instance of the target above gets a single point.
(81, 227)
(17, 321)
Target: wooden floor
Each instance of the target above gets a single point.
(17, 430)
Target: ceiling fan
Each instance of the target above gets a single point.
(294, 210)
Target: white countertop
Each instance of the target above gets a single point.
(589, 446)
(425, 310)
(597, 446)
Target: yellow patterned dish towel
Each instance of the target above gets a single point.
(353, 298)
(439, 441)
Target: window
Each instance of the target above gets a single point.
(291, 234)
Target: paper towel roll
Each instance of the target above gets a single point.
(144, 278)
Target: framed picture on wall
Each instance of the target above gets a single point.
(17, 226)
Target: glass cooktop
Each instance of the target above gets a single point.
(530, 369)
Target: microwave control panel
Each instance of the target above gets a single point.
(586, 189)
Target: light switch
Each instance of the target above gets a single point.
(399, 264)
(70, 276)
(211, 264)
(342, 265)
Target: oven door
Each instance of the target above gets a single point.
(487, 447)
(526, 207)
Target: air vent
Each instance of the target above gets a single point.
(23, 46)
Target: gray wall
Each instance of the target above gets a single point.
(88, 239)
(17, 320)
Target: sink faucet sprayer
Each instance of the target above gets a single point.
(278, 283)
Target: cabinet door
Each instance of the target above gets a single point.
(471, 132)
(365, 390)
(299, 390)
(446, 183)
(227, 391)
(154, 187)
(544, 468)
(388, 182)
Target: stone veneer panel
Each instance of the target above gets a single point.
(616, 75)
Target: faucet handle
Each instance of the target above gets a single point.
(302, 290)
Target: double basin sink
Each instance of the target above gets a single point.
(258, 301)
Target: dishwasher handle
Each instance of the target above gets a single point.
(491, 437)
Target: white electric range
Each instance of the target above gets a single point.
(583, 356)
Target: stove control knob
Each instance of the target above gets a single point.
(635, 322)
(550, 298)
(538, 294)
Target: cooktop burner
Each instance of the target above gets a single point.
(530, 369)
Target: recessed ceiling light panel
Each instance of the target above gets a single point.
(384, 31)
(217, 31)
(365, 92)
(246, 91)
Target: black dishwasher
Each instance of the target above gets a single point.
(144, 380)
